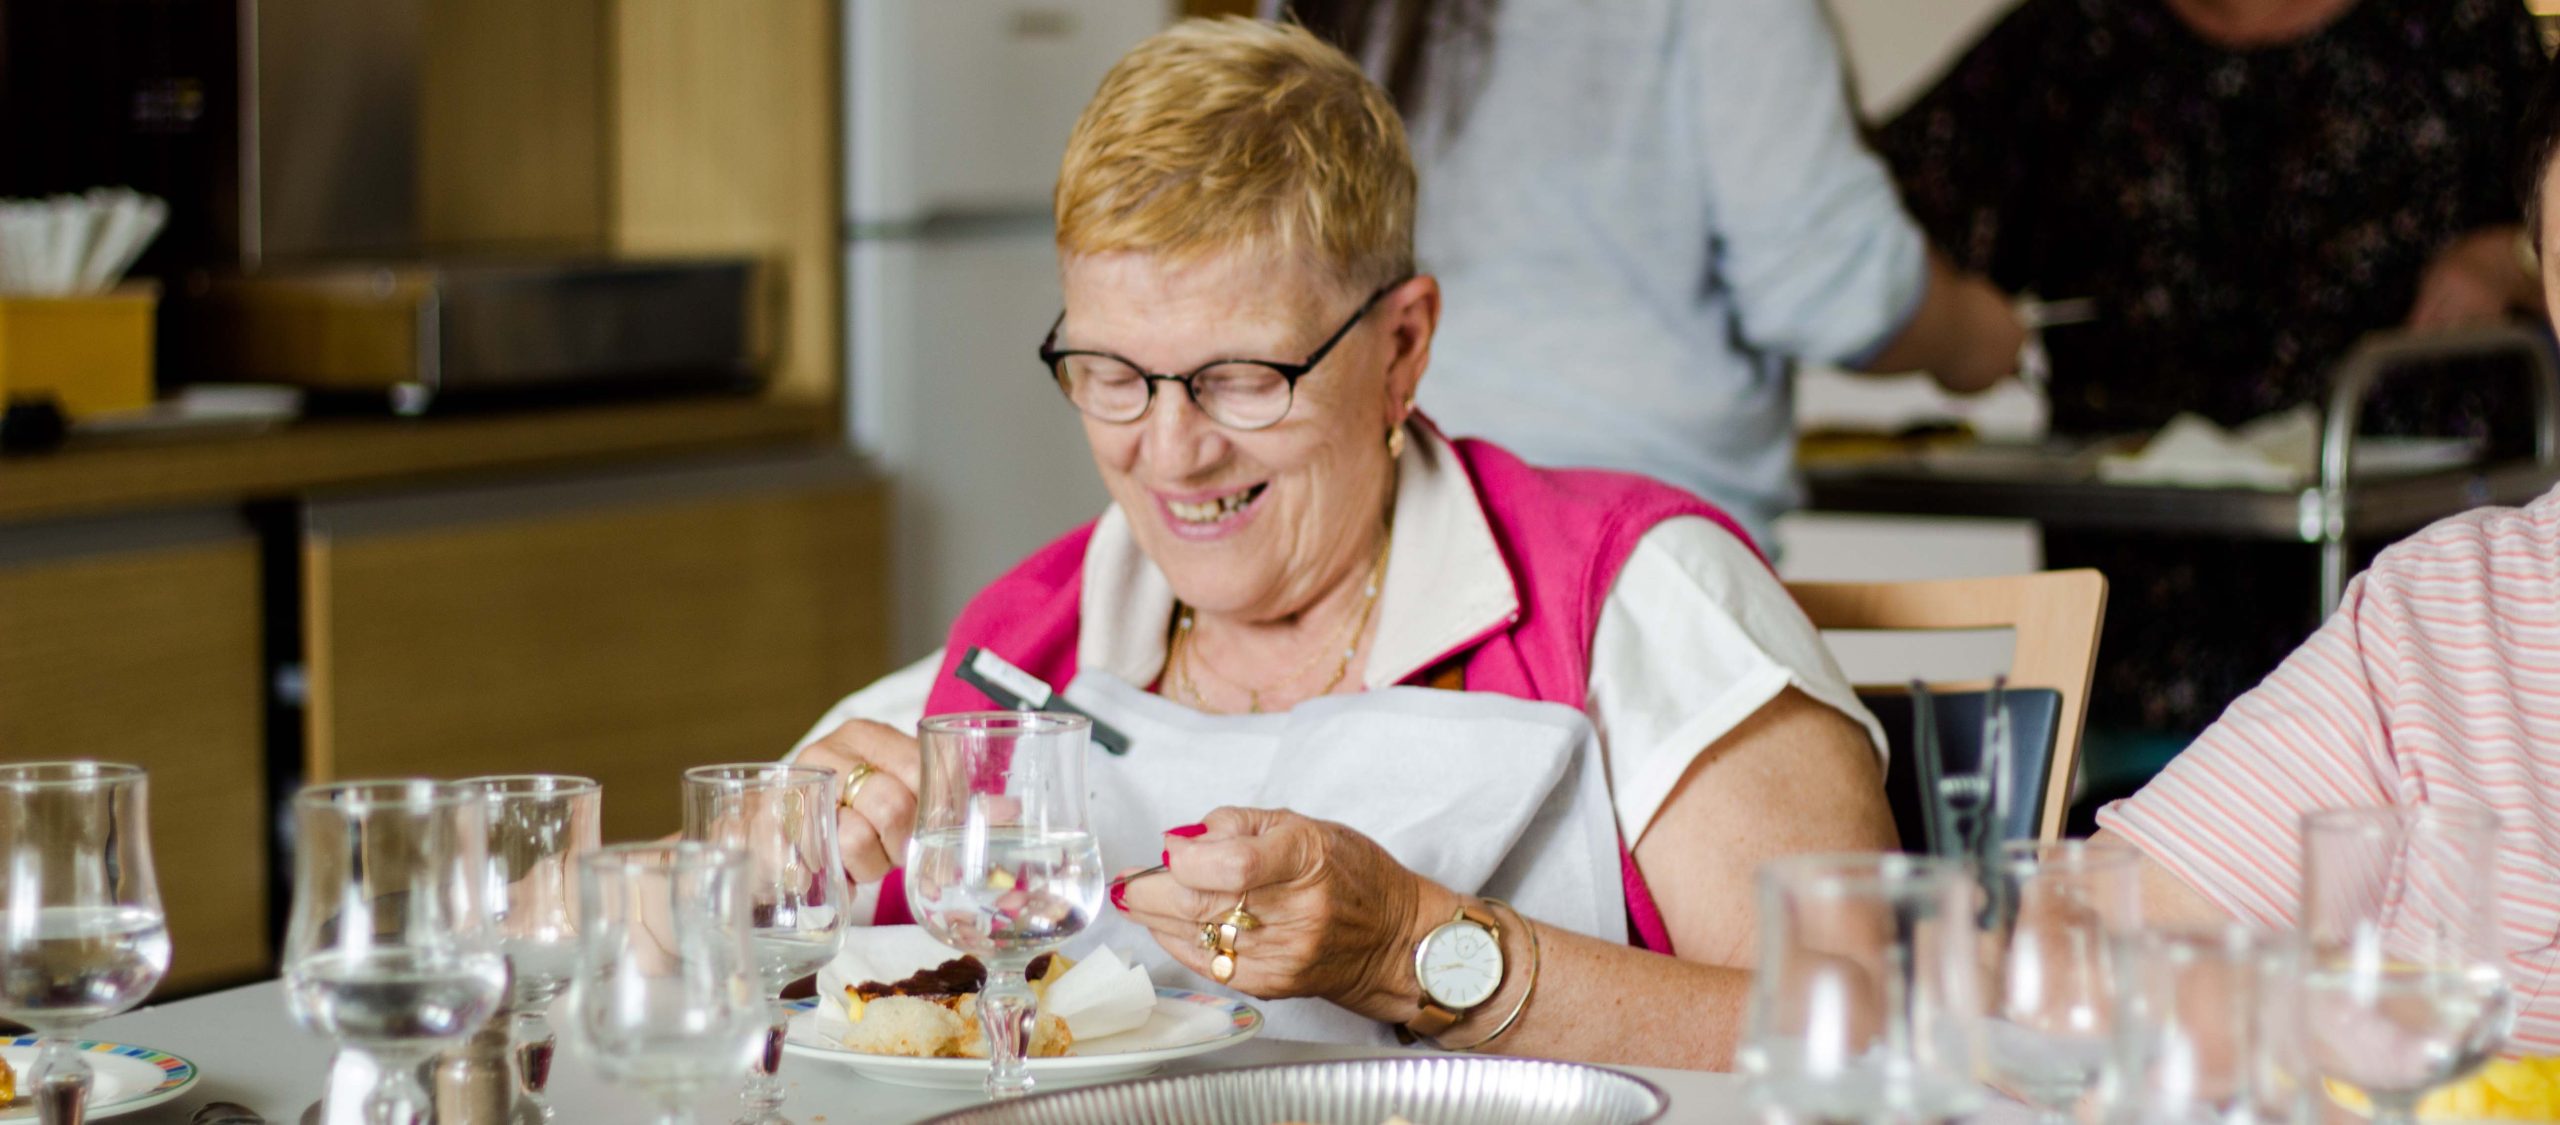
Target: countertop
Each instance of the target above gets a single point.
(104, 475)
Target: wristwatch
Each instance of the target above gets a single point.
(1459, 964)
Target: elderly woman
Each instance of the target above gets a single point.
(1295, 560)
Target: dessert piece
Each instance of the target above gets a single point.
(1049, 1035)
(910, 1026)
(934, 1013)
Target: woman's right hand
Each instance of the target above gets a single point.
(872, 825)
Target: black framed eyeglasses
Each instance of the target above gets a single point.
(1241, 394)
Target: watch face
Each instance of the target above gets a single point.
(1461, 965)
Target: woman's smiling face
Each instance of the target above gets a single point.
(1256, 524)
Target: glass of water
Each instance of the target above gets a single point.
(2206, 1029)
(82, 936)
(665, 998)
(2054, 1005)
(389, 949)
(540, 826)
(1866, 1006)
(2402, 989)
(1003, 864)
(781, 820)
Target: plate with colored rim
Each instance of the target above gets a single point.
(127, 1078)
(1184, 1023)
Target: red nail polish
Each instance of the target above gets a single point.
(1120, 897)
(1188, 831)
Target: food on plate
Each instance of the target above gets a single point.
(8, 1083)
(2504, 1090)
(934, 1013)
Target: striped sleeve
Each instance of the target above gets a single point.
(2226, 815)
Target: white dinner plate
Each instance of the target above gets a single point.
(1184, 1023)
(127, 1078)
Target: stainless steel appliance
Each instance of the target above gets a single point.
(424, 332)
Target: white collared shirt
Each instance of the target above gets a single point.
(1695, 636)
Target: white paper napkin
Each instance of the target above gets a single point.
(1102, 995)
(75, 244)
(2272, 452)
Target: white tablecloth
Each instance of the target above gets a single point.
(252, 1053)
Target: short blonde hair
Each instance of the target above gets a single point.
(1217, 135)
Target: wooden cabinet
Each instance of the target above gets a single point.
(137, 640)
(622, 626)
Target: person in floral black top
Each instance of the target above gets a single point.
(2244, 188)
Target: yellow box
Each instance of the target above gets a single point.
(91, 355)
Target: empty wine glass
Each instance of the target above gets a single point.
(82, 936)
(1003, 864)
(540, 826)
(2402, 989)
(665, 999)
(389, 949)
(2205, 1030)
(2053, 1007)
(1866, 1006)
(782, 820)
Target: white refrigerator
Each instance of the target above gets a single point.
(956, 114)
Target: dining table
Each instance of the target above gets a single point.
(249, 1052)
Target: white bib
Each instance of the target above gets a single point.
(1481, 793)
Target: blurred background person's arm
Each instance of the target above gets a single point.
(1966, 333)
(1823, 261)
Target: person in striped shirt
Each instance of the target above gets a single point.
(2436, 682)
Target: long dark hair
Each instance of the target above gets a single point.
(1453, 36)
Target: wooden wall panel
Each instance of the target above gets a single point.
(513, 124)
(623, 628)
(726, 135)
(149, 653)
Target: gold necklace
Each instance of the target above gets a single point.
(1185, 650)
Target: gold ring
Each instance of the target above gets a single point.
(854, 776)
(1219, 938)
(1241, 918)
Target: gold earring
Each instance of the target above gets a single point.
(1395, 442)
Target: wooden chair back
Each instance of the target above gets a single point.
(2054, 616)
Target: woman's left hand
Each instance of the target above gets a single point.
(2476, 279)
(1337, 912)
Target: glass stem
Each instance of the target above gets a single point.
(59, 1082)
(763, 1091)
(1006, 1009)
(397, 1097)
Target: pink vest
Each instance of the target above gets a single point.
(1564, 534)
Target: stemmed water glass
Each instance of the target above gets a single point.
(2054, 1005)
(2401, 990)
(82, 936)
(781, 820)
(664, 1000)
(1866, 1006)
(389, 949)
(540, 826)
(1003, 863)
(2206, 1030)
